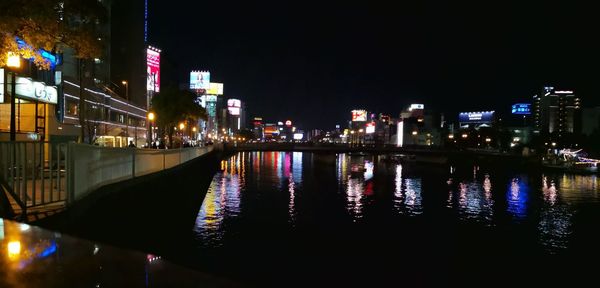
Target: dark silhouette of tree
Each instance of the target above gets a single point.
(173, 106)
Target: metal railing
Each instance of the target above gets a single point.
(42, 173)
(35, 171)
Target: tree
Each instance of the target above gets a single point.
(173, 106)
(52, 25)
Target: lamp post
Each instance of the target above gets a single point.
(181, 127)
(127, 110)
(13, 62)
(150, 136)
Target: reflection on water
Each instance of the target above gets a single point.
(472, 199)
(475, 194)
(517, 196)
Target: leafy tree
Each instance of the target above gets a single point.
(50, 25)
(173, 106)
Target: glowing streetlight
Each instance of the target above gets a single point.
(151, 116)
(360, 130)
(181, 126)
(13, 61)
(194, 129)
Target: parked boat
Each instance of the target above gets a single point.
(571, 161)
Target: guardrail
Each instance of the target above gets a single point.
(91, 167)
(35, 172)
(42, 173)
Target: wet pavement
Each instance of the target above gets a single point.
(34, 257)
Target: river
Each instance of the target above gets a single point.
(294, 217)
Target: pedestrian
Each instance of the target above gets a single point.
(131, 144)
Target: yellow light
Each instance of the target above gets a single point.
(124, 82)
(194, 129)
(13, 60)
(14, 249)
(488, 140)
(181, 126)
(414, 133)
(465, 135)
(352, 132)
(151, 116)
(450, 136)
(360, 130)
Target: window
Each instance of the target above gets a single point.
(71, 107)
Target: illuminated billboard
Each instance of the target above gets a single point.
(359, 115)
(370, 128)
(153, 69)
(416, 106)
(200, 80)
(288, 123)
(233, 106)
(37, 91)
(298, 136)
(521, 109)
(483, 117)
(215, 89)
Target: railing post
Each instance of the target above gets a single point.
(133, 162)
(69, 159)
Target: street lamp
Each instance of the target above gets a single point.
(151, 117)
(13, 62)
(127, 110)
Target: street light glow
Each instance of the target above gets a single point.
(124, 82)
(151, 116)
(13, 61)
(181, 126)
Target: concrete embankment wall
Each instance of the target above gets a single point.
(144, 213)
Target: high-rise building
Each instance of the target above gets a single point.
(557, 111)
(128, 49)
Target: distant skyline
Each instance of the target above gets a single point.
(313, 62)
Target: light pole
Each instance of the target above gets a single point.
(13, 62)
(150, 136)
(127, 110)
(181, 127)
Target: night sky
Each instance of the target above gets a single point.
(313, 62)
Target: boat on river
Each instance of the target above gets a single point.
(571, 161)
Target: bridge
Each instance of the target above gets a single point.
(41, 178)
(424, 153)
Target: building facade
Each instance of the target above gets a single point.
(557, 111)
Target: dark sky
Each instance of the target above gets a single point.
(313, 62)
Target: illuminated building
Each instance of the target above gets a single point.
(417, 127)
(110, 118)
(557, 111)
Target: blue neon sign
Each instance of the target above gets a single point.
(521, 109)
(45, 54)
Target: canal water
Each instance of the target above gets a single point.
(290, 218)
